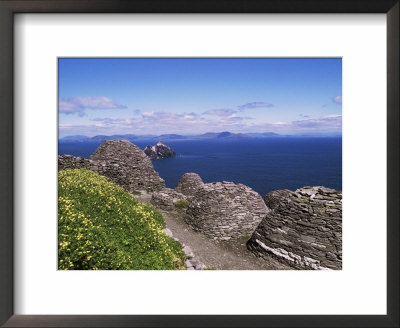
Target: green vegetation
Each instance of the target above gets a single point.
(101, 227)
(182, 203)
(136, 192)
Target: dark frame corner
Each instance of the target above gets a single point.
(10, 7)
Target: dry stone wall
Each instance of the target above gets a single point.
(73, 162)
(122, 162)
(303, 228)
(166, 199)
(225, 210)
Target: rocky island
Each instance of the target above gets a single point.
(160, 150)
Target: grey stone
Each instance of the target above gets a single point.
(189, 184)
(201, 266)
(166, 199)
(188, 252)
(313, 238)
(224, 210)
(168, 232)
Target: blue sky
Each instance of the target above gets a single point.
(190, 96)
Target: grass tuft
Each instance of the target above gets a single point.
(182, 203)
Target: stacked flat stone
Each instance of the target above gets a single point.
(273, 199)
(225, 210)
(122, 162)
(303, 229)
(73, 162)
(189, 184)
(166, 199)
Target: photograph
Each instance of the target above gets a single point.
(184, 163)
(224, 163)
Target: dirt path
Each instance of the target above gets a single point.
(219, 255)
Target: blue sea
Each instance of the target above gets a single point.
(263, 164)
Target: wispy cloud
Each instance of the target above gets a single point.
(159, 115)
(80, 104)
(168, 116)
(337, 100)
(158, 122)
(256, 104)
(329, 122)
(220, 112)
(304, 116)
(165, 122)
(117, 121)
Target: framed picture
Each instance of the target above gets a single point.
(240, 93)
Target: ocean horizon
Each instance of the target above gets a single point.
(263, 164)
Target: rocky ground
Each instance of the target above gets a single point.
(205, 253)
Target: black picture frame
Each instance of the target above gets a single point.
(10, 7)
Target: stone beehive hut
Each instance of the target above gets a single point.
(189, 184)
(122, 162)
(225, 210)
(303, 228)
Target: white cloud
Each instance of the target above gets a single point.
(256, 104)
(191, 123)
(330, 124)
(323, 123)
(80, 104)
(220, 112)
(337, 100)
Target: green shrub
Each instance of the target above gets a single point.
(101, 227)
(182, 203)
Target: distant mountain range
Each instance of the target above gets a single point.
(166, 137)
(163, 137)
